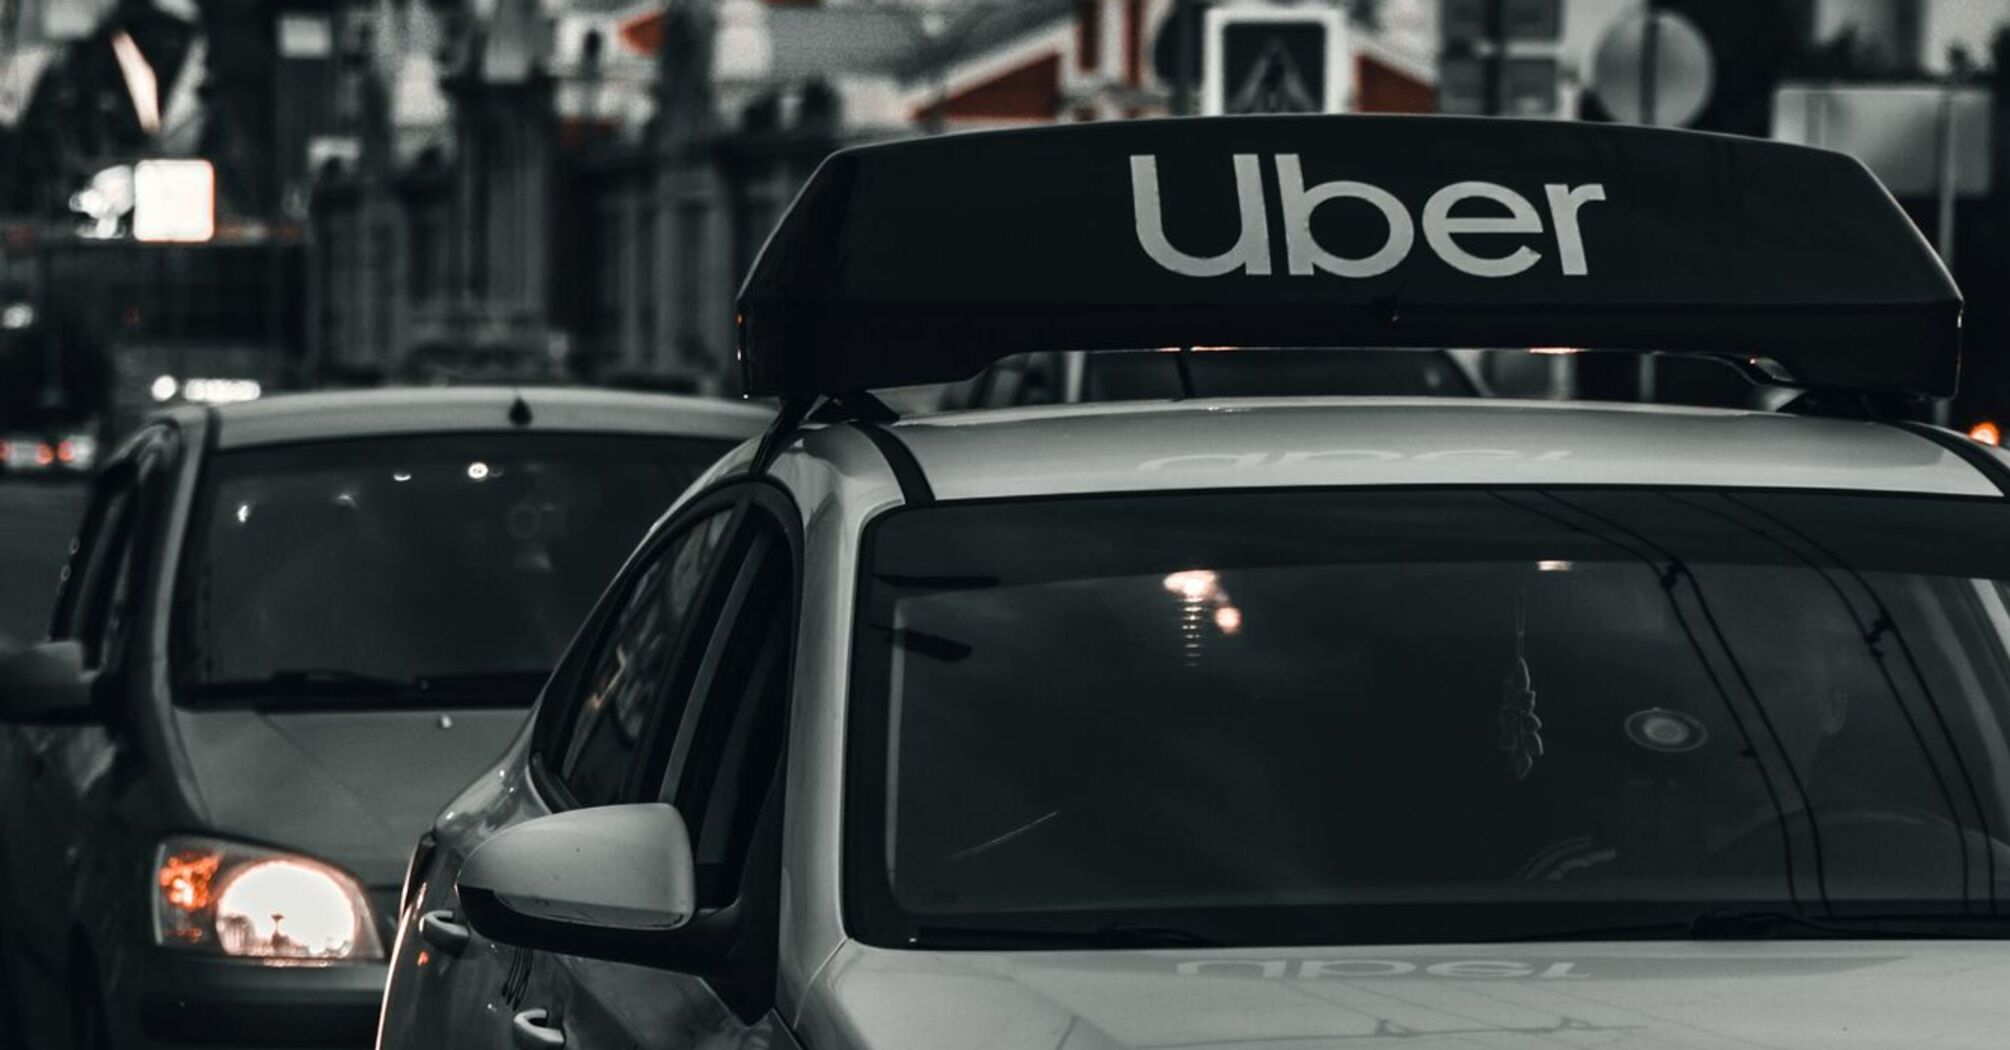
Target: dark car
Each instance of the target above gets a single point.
(289, 631)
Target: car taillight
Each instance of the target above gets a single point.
(44, 455)
(66, 451)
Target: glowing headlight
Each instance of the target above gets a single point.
(231, 899)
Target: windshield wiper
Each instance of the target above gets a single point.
(304, 681)
(1114, 936)
(1732, 924)
(336, 683)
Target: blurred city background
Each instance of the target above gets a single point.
(215, 200)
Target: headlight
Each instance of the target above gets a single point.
(230, 899)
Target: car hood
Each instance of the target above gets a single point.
(1638, 995)
(355, 788)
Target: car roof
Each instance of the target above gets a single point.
(336, 415)
(1274, 443)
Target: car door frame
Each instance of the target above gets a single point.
(548, 739)
(779, 511)
(33, 928)
(71, 770)
(766, 515)
(555, 722)
(471, 1001)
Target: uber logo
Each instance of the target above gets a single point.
(1313, 969)
(1303, 254)
(1334, 456)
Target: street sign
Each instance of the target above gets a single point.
(174, 200)
(1498, 57)
(1653, 70)
(1522, 21)
(1528, 86)
(1263, 58)
(1462, 85)
(305, 35)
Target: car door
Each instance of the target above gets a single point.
(452, 988)
(718, 758)
(56, 775)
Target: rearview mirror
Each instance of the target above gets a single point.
(606, 882)
(46, 683)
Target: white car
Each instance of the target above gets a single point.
(288, 632)
(1279, 722)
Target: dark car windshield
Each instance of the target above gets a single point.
(1425, 716)
(436, 569)
(1143, 375)
(1273, 373)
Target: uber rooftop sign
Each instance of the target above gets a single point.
(925, 260)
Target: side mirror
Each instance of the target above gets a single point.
(606, 882)
(46, 683)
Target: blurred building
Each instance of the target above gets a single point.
(142, 217)
(573, 188)
(546, 189)
(561, 189)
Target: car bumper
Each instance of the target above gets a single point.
(224, 1002)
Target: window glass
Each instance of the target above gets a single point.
(133, 558)
(446, 570)
(1327, 717)
(1043, 378)
(99, 563)
(105, 570)
(1276, 372)
(733, 758)
(631, 663)
(122, 586)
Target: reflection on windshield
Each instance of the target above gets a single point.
(1042, 378)
(451, 569)
(1526, 708)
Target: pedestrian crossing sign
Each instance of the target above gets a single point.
(1270, 58)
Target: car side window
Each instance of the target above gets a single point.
(728, 755)
(102, 581)
(94, 561)
(115, 612)
(125, 586)
(631, 661)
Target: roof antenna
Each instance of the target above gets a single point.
(1185, 373)
(519, 411)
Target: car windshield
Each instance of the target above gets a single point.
(1144, 375)
(1444, 715)
(1274, 372)
(450, 570)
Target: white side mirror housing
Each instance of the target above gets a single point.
(567, 880)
